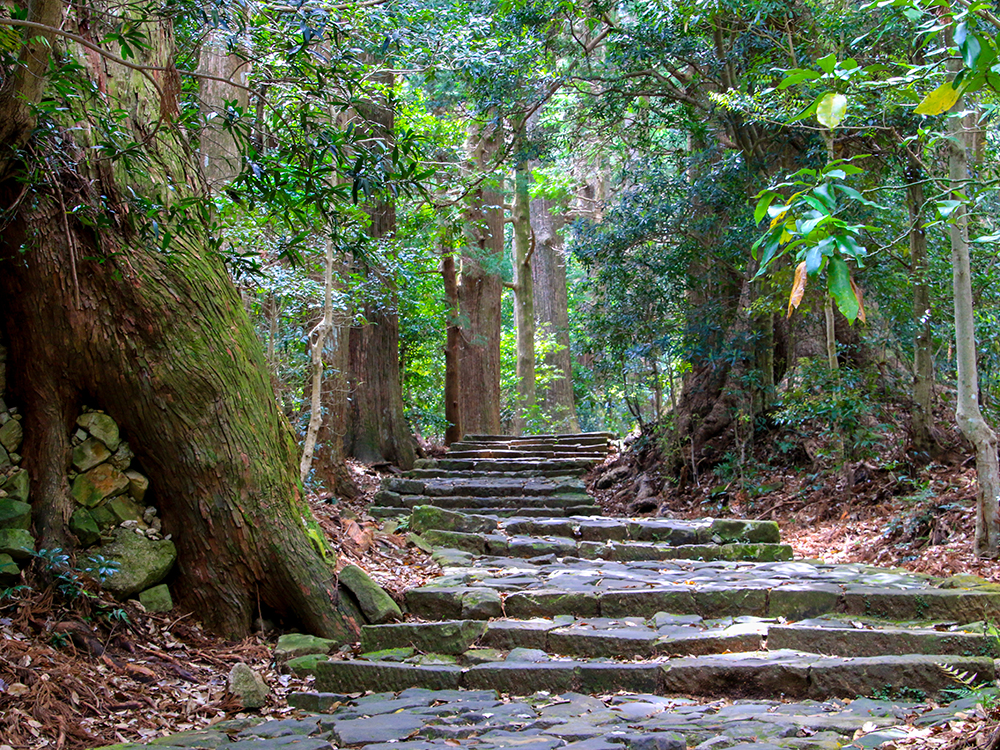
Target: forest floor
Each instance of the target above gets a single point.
(84, 671)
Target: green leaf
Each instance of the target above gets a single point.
(828, 63)
(797, 76)
(970, 50)
(762, 205)
(831, 109)
(838, 281)
(939, 100)
(947, 208)
(814, 259)
(825, 193)
(850, 247)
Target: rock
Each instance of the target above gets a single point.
(9, 572)
(124, 509)
(18, 543)
(83, 525)
(101, 482)
(14, 514)
(102, 427)
(11, 434)
(123, 457)
(247, 686)
(137, 485)
(16, 485)
(157, 599)
(612, 476)
(377, 606)
(144, 562)
(292, 645)
(89, 454)
(104, 518)
(5, 460)
(305, 665)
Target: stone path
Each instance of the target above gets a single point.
(555, 627)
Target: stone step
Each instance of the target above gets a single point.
(569, 466)
(505, 502)
(483, 487)
(669, 636)
(765, 674)
(708, 589)
(606, 437)
(439, 473)
(566, 449)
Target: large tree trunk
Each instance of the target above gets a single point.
(162, 343)
(479, 289)
(453, 337)
(377, 427)
(548, 272)
(524, 300)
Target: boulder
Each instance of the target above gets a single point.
(104, 518)
(248, 686)
(11, 434)
(102, 427)
(5, 461)
(9, 572)
(293, 645)
(18, 543)
(89, 454)
(377, 606)
(14, 514)
(16, 485)
(83, 525)
(157, 599)
(143, 562)
(98, 484)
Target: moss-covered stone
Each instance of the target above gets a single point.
(473, 543)
(138, 485)
(18, 543)
(305, 665)
(9, 571)
(424, 517)
(89, 454)
(377, 606)
(157, 599)
(84, 527)
(293, 645)
(16, 486)
(102, 427)
(448, 637)
(144, 562)
(14, 514)
(103, 481)
(390, 654)
(103, 517)
(124, 508)
(11, 434)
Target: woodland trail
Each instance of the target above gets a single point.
(554, 626)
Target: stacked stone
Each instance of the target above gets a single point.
(107, 490)
(16, 542)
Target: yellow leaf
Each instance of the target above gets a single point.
(776, 219)
(861, 303)
(798, 288)
(831, 110)
(939, 100)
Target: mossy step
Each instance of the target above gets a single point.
(793, 602)
(484, 486)
(440, 473)
(757, 674)
(574, 467)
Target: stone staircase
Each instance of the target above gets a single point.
(541, 593)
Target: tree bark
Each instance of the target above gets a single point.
(921, 414)
(548, 271)
(453, 335)
(524, 300)
(162, 343)
(377, 427)
(219, 152)
(479, 290)
(967, 412)
(317, 342)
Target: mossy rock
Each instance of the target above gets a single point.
(9, 571)
(305, 665)
(83, 525)
(14, 514)
(144, 562)
(89, 454)
(103, 481)
(11, 434)
(377, 606)
(17, 485)
(294, 645)
(18, 543)
(102, 427)
(157, 599)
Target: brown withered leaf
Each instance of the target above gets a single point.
(798, 288)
